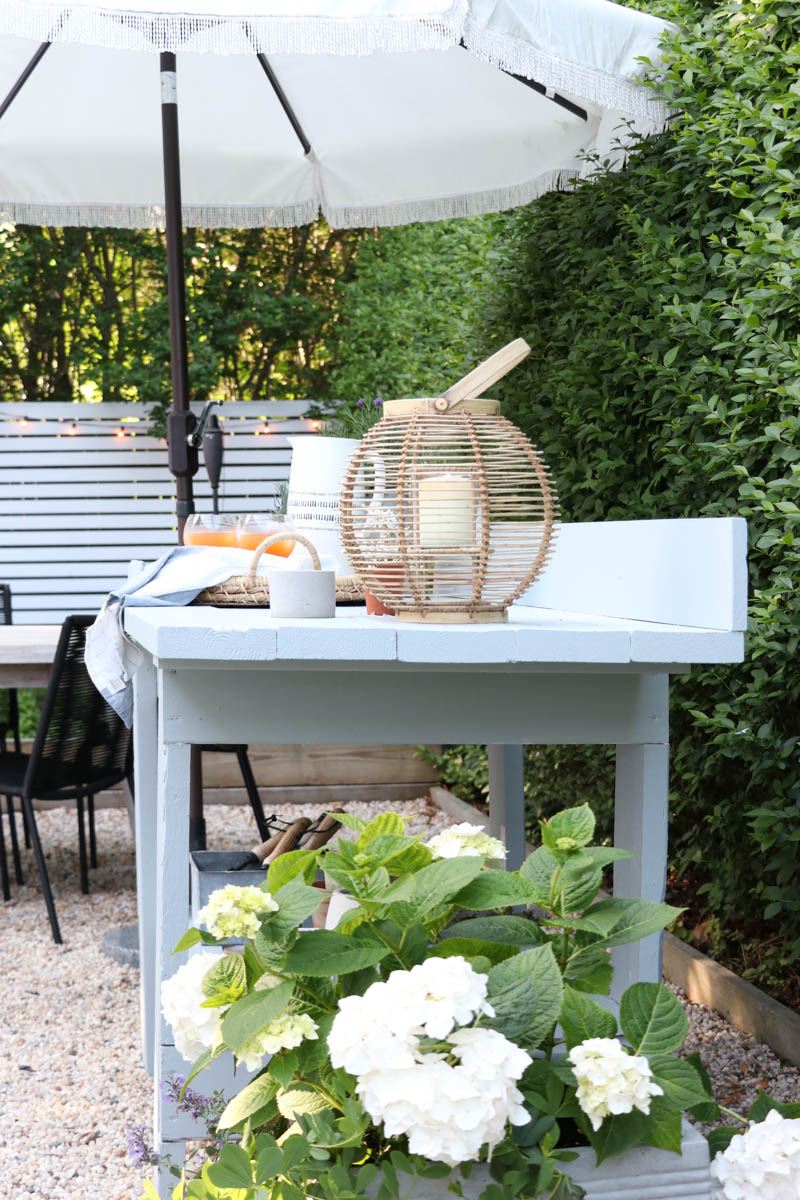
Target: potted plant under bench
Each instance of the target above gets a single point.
(460, 1051)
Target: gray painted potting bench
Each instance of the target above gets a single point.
(584, 659)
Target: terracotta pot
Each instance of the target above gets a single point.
(388, 577)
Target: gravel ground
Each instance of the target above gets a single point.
(70, 1076)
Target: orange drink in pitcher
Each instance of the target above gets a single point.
(254, 527)
(210, 529)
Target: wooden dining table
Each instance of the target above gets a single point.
(26, 654)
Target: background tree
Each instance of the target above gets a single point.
(83, 312)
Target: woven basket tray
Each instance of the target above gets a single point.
(252, 591)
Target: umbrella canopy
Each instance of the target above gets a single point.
(372, 112)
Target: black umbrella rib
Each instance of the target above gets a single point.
(24, 77)
(284, 103)
(561, 101)
(555, 98)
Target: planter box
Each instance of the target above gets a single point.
(640, 1174)
(202, 881)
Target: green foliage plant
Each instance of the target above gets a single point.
(302, 1127)
(662, 305)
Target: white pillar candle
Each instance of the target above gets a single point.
(446, 508)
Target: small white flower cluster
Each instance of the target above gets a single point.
(465, 841)
(763, 1163)
(181, 999)
(611, 1081)
(282, 1033)
(232, 912)
(449, 1110)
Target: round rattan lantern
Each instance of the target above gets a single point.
(448, 511)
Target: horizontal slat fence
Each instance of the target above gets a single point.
(74, 509)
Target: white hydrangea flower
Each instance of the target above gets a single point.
(232, 912)
(282, 1033)
(611, 1081)
(364, 1034)
(181, 998)
(450, 1111)
(383, 1026)
(465, 840)
(439, 994)
(763, 1163)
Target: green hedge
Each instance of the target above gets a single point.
(663, 307)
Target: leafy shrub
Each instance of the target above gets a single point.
(663, 307)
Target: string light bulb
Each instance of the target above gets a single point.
(120, 433)
(72, 430)
(316, 426)
(23, 423)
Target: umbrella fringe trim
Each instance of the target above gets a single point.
(108, 28)
(631, 96)
(444, 208)
(151, 216)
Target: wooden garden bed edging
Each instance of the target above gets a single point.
(746, 1007)
(702, 979)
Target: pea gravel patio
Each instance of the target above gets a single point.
(70, 1076)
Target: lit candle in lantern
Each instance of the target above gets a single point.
(446, 507)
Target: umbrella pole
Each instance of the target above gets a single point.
(181, 421)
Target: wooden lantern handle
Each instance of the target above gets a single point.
(484, 375)
(287, 536)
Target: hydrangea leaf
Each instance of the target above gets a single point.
(617, 1134)
(300, 1100)
(289, 865)
(590, 970)
(569, 829)
(471, 948)
(435, 884)
(494, 889)
(637, 919)
(255, 1096)
(652, 1019)
(679, 1081)
(539, 869)
(582, 1018)
(719, 1139)
(579, 884)
(193, 937)
(508, 931)
(296, 901)
(232, 1169)
(225, 982)
(526, 993)
(325, 952)
(763, 1103)
(390, 823)
(269, 1163)
(249, 1015)
(663, 1126)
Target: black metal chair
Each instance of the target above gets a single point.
(249, 780)
(9, 729)
(81, 747)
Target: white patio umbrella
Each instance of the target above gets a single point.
(371, 112)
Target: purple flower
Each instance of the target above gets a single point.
(360, 403)
(197, 1106)
(378, 400)
(139, 1153)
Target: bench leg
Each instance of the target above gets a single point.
(507, 801)
(640, 825)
